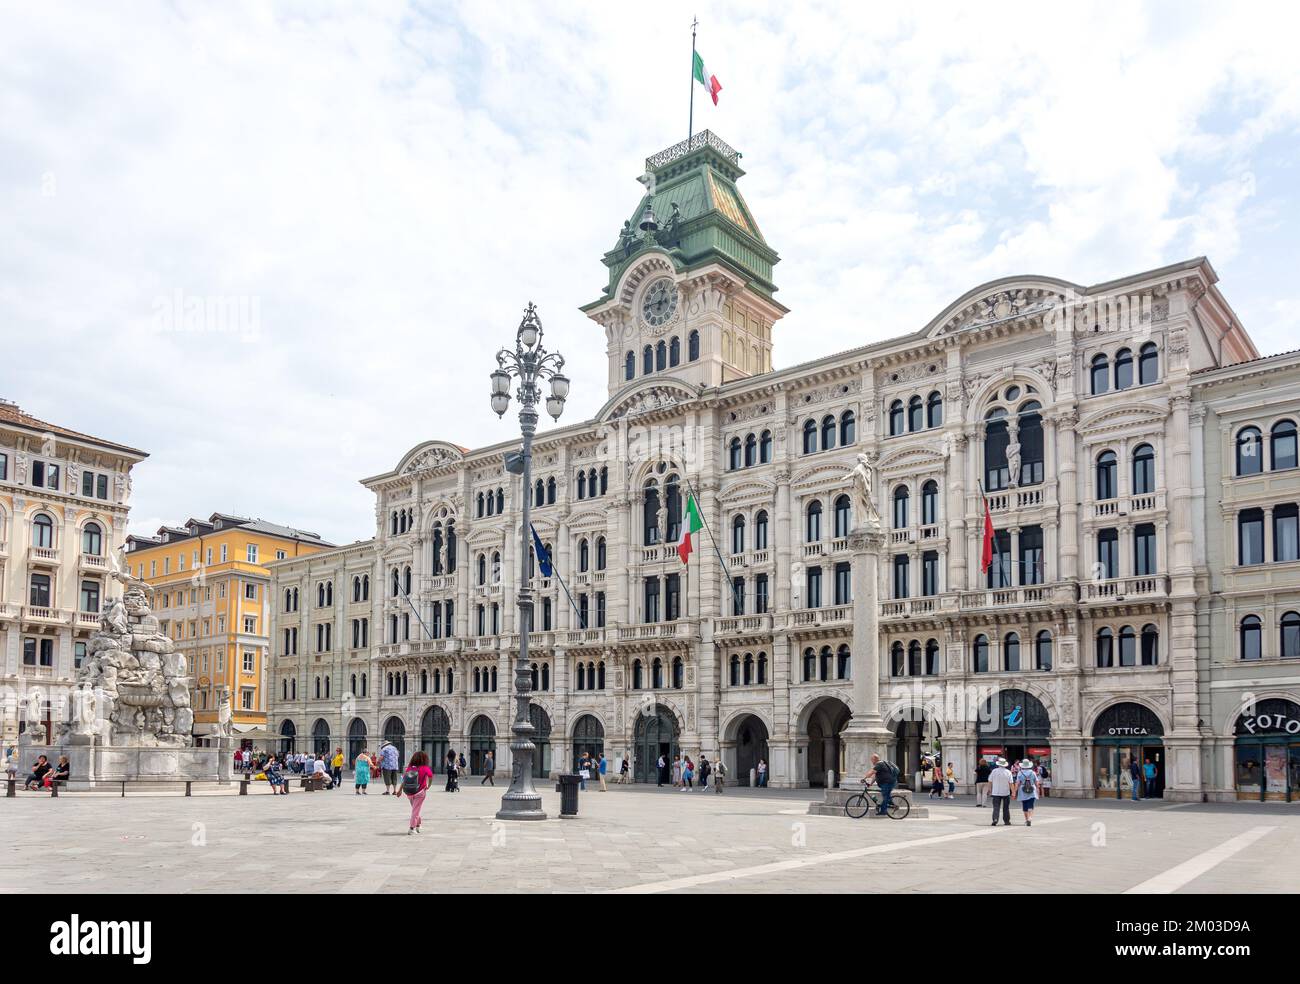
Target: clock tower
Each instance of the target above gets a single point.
(690, 295)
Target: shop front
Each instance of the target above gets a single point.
(1124, 736)
(1014, 724)
(1267, 751)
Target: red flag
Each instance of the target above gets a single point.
(986, 554)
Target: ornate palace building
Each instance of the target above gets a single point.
(64, 499)
(1136, 457)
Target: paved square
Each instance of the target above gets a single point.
(640, 839)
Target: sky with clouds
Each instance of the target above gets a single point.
(364, 196)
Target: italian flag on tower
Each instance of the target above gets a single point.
(703, 77)
(691, 524)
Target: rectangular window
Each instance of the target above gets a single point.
(250, 591)
(1250, 537)
(1108, 554)
(88, 484)
(47, 652)
(760, 594)
(40, 591)
(4, 467)
(600, 609)
(247, 695)
(101, 486)
(280, 555)
(167, 565)
(1031, 555)
(78, 654)
(29, 652)
(250, 625)
(651, 610)
(814, 587)
(1286, 533)
(1144, 550)
(38, 474)
(737, 596)
(1000, 569)
(584, 614)
(843, 583)
(902, 568)
(930, 573)
(250, 662)
(223, 553)
(673, 596)
(89, 596)
(252, 553)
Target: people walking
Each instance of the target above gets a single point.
(1000, 788)
(361, 773)
(336, 766)
(936, 781)
(415, 783)
(950, 778)
(762, 773)
(452, 785)
(719, 775)
(1027, 790)
(389, 763)
(625, 771)
(1135, 777)
(600, 772)
(688, 774)
(982, 771)
(677, 770)
(489, 769)
(661, 770)
(462, 768)
(705, 769)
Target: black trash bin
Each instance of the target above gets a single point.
(567, 786)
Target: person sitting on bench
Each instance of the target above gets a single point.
(61, 771)
(37, 777)
(318, 769)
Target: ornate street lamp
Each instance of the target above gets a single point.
(530, 364)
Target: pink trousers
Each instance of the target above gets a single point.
(417, 802)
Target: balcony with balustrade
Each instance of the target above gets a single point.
(94, 563)
(1146, 588)
(42, 557)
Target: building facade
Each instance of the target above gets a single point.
(64, 499)
(1073, 418)
(212, 596)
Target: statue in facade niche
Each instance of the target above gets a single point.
(863, 481)
(1013, 463)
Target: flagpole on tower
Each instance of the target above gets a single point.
(690, 127)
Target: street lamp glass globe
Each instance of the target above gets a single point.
(528, 335)
(554, 406)
(500, 382)
(500, 401)
(559, 386)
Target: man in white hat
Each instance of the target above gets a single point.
(1027, 790)
(1000, 787)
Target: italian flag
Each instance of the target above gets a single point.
(703, 77)
(986, 548)
(691, 524)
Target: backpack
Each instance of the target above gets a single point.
(720, 768)
(1027, 781)
(411, 782)
(893, 771)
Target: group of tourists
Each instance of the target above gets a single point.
(1042, 780)
(1024, 784)
(682, 772)
(941, 779)
(44, 774)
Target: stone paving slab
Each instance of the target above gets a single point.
(636, 839)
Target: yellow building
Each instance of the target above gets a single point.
(211, 595)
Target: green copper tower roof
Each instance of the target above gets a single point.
(702, 217)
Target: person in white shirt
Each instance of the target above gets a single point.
(1000, 787)
(318, 769)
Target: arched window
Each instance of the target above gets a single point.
(762, 669)
(1282, 440)
(813, 522)
(1043, 651)
(600, 553)
(1144, 470)
(847, 428)
(1289, 647)
(550, 491)
(584, 555)
(675, 352)
(824, 663)
(1250, 451)
(735, 670)
(980, 654)
(1011, 653)
(661, 356)
(828, 432)
(1030, 435)
(1107, 485)
(930, 503)
(1123, 369)
(809, 436)
(760, 530)
(996, 439)
(897, 419)
(914, 658)
(897, 664)
(43, 531)
(1252, 638)
(932, 657)
(901, 496)
(934, 409)
(539, 493)
(629, 366)
(1148, 364)
(915, 414)
(765, 448)
(1105, 648)
(733, 454)
(1150, 645)
(406, 585)
(1127, 646)
(647, 360)
(748, 676)
(92, 540)
(480, 505)
(650, 514)
(582, 485)
(1100, 374)
(501, 501)
(751, 451)
(693, 346)
(843, 663)
(604, 479)
(809, 664)
(843, 516)
(738, 535)
(636, 675)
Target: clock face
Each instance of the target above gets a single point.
(660, 302)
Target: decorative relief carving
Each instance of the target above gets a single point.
(430, 459)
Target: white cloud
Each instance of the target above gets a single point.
(392, 184)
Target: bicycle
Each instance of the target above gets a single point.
(869, 799)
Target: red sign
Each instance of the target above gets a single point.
(1040, 752)
(990, 749)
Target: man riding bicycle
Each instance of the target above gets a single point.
(886, 777)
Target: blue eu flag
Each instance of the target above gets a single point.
(543, 558)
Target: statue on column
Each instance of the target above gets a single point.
(862, 478)
(1013, 457)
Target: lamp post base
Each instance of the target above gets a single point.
(521, 806)
(521, 801)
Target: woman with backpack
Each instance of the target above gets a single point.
(415, 784)
(936, 781)
(1026, 791)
